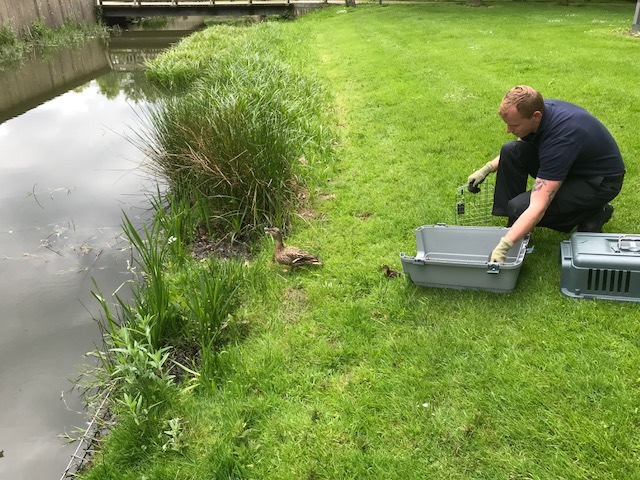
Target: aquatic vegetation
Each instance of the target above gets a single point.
(38, 38)
(11, 48)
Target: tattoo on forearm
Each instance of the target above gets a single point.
(538, 184)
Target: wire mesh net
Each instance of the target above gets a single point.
(474, 209)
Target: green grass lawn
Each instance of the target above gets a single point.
(346, 374)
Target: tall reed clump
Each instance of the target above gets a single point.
(239, 134)
(152, 297)
(212, 297)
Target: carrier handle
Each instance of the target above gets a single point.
(633, 246)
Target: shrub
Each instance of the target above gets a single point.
(7, 37)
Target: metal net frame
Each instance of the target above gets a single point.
(474, 209)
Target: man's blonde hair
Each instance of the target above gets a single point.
(526, 100)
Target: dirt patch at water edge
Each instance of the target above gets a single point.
(203, 246)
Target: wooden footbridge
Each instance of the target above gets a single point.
(156, 8)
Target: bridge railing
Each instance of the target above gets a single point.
(143, 8)
(192, 3)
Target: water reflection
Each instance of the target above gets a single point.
(129, 50)
(66, 174)
(38, 81)
(67, 171)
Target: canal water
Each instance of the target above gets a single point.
(68, 170)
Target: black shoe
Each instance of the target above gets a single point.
(595, 222)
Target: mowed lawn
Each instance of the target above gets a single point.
(393, 381)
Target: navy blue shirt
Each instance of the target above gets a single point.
(572, 142)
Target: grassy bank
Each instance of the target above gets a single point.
(343, 373)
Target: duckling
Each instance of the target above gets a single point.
(390, 272)
(290, 256)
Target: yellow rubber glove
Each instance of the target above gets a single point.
(477, 177)
(499, 254)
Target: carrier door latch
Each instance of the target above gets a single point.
(631, 244)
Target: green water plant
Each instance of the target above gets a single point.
(38, 32)
(40, 39)
(210, 300)
(152, 300)
(173, 435)
(11, 48)
(133, 370)
(180, 308)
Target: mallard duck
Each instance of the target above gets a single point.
(290, 256)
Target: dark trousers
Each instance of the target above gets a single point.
(577, 199)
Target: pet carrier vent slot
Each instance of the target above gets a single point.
(608, 280)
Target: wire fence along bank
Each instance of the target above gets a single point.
(88, 442)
